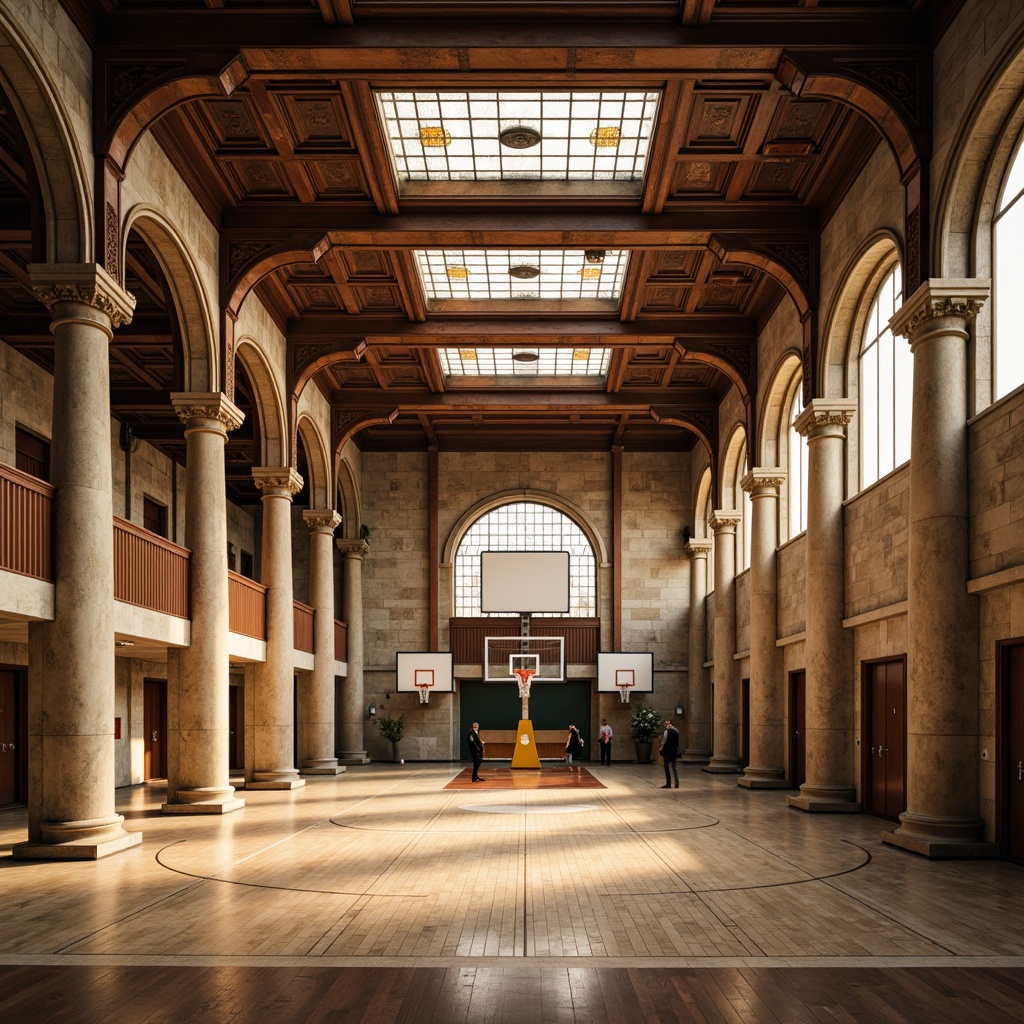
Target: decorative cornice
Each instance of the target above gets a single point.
(762, 477)
(277, 480)
(353, 548)
(698, 548)
(200, 410)
(725, 519)
(85, 284)
(321, 520)
(939, 299)
(825, 412)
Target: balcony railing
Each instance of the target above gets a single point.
(26, 512)
(247, 606)
(340, 641)
(302, 630)
(149, 571)
(582, 636)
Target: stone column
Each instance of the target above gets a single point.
(829, 785)
(351, 709)
(698, 711)
(316, 693)
(71, 814)
(726, 730)
(198, 692)
(274, 715)
(767, 693)
(942, 817)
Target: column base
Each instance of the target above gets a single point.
(940, 837)
(695, 756)
(724, 766)
(321, 766)
(763, 778)
(78, 840)
(204, 800)
(282, 779)
(826, 800)
(352, 757)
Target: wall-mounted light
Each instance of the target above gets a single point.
(372, 711)
(679, 710)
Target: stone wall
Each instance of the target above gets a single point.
(791, 567)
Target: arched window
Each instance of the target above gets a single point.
(1007, 294)
(796, 482)
(709, 532)
(525, 526)
(746, 514)
(886, 370)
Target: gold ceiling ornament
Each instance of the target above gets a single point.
(435, 137)
(607, 137)
(468, 354)
(457, 273)
(589, 273)
(581, 355)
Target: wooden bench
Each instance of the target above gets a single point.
(499, 744)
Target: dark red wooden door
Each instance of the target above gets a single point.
(155, 725)
(1014, 768)
(797, 728)
(886, 695)
(236, 718)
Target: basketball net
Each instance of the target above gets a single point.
(525, 675)
(424, 689)
(624, 689)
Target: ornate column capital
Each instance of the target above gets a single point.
(200, 410)
(277, 481)
(762, 481)
(321, 520)
(352, 548)
(725, 520)
(698, 548)
(83, 284)
(825, 412)
(957, 299)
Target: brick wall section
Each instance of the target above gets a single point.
(875, 523)
(792, 582)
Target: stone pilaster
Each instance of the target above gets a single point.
(315, 700)
(698, 711)
(274, 717)
(71, 813)
(829, 786)
(767, 720)
(726, 731)
(942, 817)
(199, 690)
(351, 709)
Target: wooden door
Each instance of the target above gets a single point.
(744, 722)
(1012, 731)
(8, 738)
(885, 698)
(797, 728)
(154, 716)
(236, 716)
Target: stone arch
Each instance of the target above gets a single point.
(733, 469)
(318, 462)
(191, 302)
(348, 498)
(704, 491)
(785, 382)
(269, 405)
(57, 158)
(555, 501)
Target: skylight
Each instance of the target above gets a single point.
(522, 274)
(524, 362)
(519, 136)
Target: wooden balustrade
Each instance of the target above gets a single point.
(26, 514)
(303, 627)
(340, 641)
(149, 571)
(247, 606)
(582, 636)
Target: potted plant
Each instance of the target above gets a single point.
(392, 729)
(645, 724)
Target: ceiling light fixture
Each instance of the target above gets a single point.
(526, 356)
(519, 136)
(594, 255)
(524, 272)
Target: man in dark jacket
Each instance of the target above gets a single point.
(476, 749)
(669, 751)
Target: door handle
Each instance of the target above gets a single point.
(154, 735)
(872, 751)
(1020, 768)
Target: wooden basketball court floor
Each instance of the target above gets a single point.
(384, 896)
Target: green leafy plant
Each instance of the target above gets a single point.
(392, 729)
(645, 724)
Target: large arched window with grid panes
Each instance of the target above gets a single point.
(525, 526)
(796, 480)
(886, 369)
(1007, 294)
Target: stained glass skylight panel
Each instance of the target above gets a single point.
(523, 274)
(524, 362)
(519, 136)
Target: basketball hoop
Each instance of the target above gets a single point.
(424, 689)
(423, 680)
(524, 675)
(624, 689)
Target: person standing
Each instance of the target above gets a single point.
(573, 747)
(476, 749)
(604, 737)
(669, 751)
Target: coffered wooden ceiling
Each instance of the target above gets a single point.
(267, 110)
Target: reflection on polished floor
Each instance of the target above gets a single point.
(587, 904)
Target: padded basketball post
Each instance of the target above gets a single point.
(525, 755)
